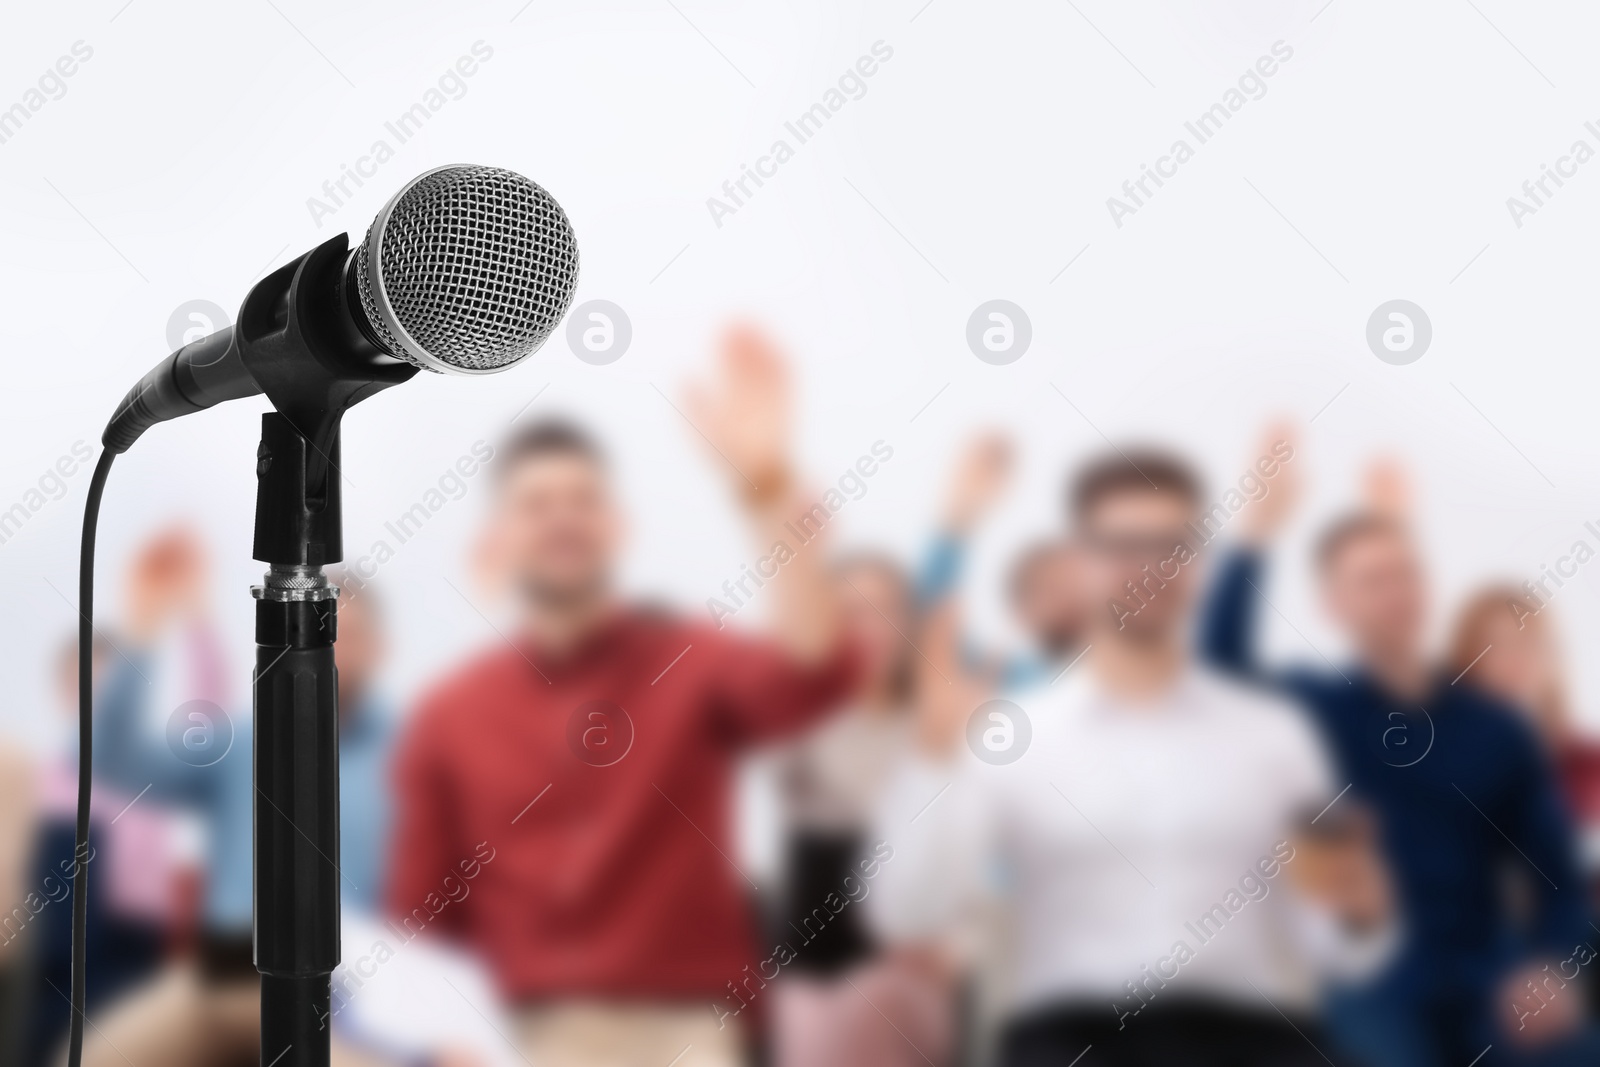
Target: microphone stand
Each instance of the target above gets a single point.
(296, 699)
(302, 344)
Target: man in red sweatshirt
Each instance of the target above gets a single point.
(564, 801)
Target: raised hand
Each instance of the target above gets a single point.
(1386, 489)
(1278, 451)
(980, 474)
(166, 580)
(746, 411)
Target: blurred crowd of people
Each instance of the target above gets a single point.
(1133, 840)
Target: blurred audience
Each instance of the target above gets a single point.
(1464, 795)
(161, 732)
(1505, 644)
(367, 728)
(125, 920)
(564, 798)
(1138, 814)
(17, 818)
(192, 770)
(828, 1002)
(1042, 587)
(1098, 850)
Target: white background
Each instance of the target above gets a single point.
(977, 165)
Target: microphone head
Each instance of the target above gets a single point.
(467, 270)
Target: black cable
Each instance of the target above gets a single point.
(80, 875)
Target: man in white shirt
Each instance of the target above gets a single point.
(1177, 869)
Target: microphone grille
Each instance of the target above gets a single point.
(467, 269)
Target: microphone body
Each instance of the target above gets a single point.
(218, 368)
(466, 270)
(197, 376)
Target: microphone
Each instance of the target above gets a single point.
(466, 270)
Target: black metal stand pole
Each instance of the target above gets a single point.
(296, 745)
(300, 342)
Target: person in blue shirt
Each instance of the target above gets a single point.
(201, 765)
(1464, 798)
(37, 862)
(366, 741)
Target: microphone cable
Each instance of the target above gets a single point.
(80, 875)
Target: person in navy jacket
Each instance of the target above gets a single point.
(1465, 798)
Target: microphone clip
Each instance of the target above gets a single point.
(300, 340)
